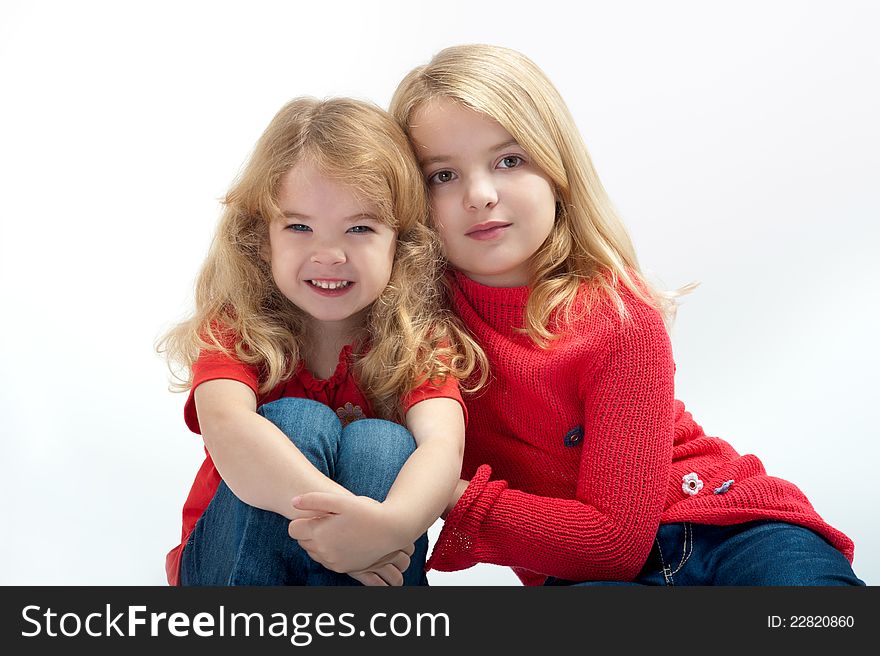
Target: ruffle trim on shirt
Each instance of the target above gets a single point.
(311, 383)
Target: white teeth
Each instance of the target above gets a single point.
(323, 284)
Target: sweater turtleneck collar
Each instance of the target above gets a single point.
(502, 308)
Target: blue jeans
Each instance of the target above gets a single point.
(237, 544)
(761, 553)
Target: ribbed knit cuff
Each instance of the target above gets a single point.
(458, 546)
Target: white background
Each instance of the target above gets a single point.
(740, 142)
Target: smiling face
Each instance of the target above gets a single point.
(494, 208)
(330, 254)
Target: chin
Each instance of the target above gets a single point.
(332, 318)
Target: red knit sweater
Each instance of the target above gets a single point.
(589, 450)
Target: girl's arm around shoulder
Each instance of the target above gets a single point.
(257, 461)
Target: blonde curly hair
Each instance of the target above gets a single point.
(409, 335)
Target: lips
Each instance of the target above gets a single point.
(487, 225)
(330, 284)
(487, 230)
(328, 287)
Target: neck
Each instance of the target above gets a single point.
(517, 278)
(324, 341)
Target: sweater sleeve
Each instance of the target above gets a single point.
(606, 531)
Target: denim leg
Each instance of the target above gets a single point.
(761, 553)
(775, 553)
(234, 543)
(371, 454)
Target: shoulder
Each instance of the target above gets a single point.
(622, 330)
(615, 309)
(628, 337)
(224, 353)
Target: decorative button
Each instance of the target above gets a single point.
(574, 436)
(691, 484)
(349, 413)
(724, 487)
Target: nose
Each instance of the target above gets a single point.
(327, 252)
(480, 193)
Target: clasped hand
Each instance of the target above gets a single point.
(351, 534)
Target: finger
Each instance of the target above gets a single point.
(401, 561)
(390, 574)
(307, 514)
(410, 550)
(368, 578)
(301, 529)
(395, 557)
(325, 502)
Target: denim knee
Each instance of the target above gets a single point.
(312, 426)
(371, 454)
(793, 556)
(756, 553)
(292, 410)
(377, 439)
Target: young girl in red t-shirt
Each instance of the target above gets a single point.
(322, 369)
(580, 465)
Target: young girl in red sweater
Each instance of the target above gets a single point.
(579, 466)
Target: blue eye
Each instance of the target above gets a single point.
(511, 162)
(298, 227)
(360, 229)
(440, 177)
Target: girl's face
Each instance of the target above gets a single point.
(330, 254)
(494, 208)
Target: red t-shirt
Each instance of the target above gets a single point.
(339, 392)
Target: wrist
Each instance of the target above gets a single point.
(460, 487)
(400, 523)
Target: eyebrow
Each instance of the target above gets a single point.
(445, 158)
(354, 217)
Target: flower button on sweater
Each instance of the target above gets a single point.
(691, 483)
(349, 413)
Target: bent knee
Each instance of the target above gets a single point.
(296, 416)
(377, 440)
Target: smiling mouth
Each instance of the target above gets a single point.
(330, 284)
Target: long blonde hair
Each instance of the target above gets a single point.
(588, 242)
(409, 336)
